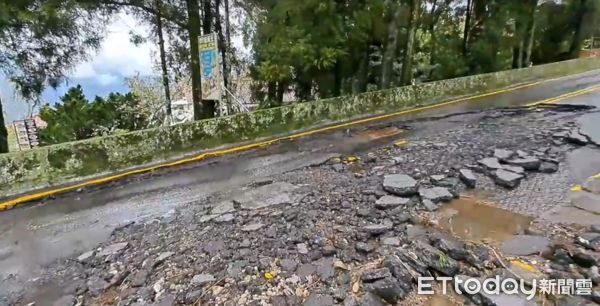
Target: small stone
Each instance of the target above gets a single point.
(96, 285)
(491, 163)
(583, 259)
(192, 296)
(388, 289)
(467, 177)
(288, 265)
(375, 274)
(377, 229)
(528, 163)
(302, 248)
(225, 218)
(391, 241)
(436, 194)
(415, 231)
(595, 228)
(223, 208)
(429, 205)
(338, 167)
(594, 274)
(507, 179)
(85, 256)
(162, 257)
(547, 167)
(514, 169)
(306, 270)
(368, 299)
(201, 279)
(575, 137)
(113, 248)
(450, 245)
(138, 279)
(364, 247)
(319, 300)
(400, 184)
(325, 269)
(562, 257)
(437, 178)
(329, 250)
(389, 202)
(252, 227)
(503, 155)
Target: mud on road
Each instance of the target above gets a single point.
(358, 228)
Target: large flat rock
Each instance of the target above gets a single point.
(527, 163)
(400, 184)
(435, 194)
(587, 201)
(506, 178)
(524, 245)
(491, 163)
(278, 193)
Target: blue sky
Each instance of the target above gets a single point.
(105, 72)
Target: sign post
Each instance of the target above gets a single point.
(27, 133)
(210, 67)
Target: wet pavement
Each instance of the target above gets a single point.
(38, 234)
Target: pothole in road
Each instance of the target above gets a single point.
(375, 134)
(472, 219)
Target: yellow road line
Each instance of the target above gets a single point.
(565, 96)
(40, 195)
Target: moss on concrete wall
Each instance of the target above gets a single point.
(57, 164)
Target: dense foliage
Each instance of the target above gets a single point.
(319, 48)
(76, 118)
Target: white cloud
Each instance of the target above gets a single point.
(118, 57)
(106, 79)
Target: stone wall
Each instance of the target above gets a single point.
(59, 164)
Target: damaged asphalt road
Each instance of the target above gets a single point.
(352, 228)
(314, 215)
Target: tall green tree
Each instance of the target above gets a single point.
(3, 132)
(407, 62)
(76, 118)
(42, 40)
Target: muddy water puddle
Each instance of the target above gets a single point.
(472, 219)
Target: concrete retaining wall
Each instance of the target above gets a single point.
(58, 164)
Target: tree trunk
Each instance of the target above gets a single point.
(391, 49)
(578, 36)
(221, 42)
(272, 94)
(467, 27)
(338, 79)
(163, 57)
(359, 83)
(432, 50)
(207, 17)
(531, 23)
(280, 91)
(3, 132)
(406, 76)
(227, 25)
(200, 110)
(477, 20)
